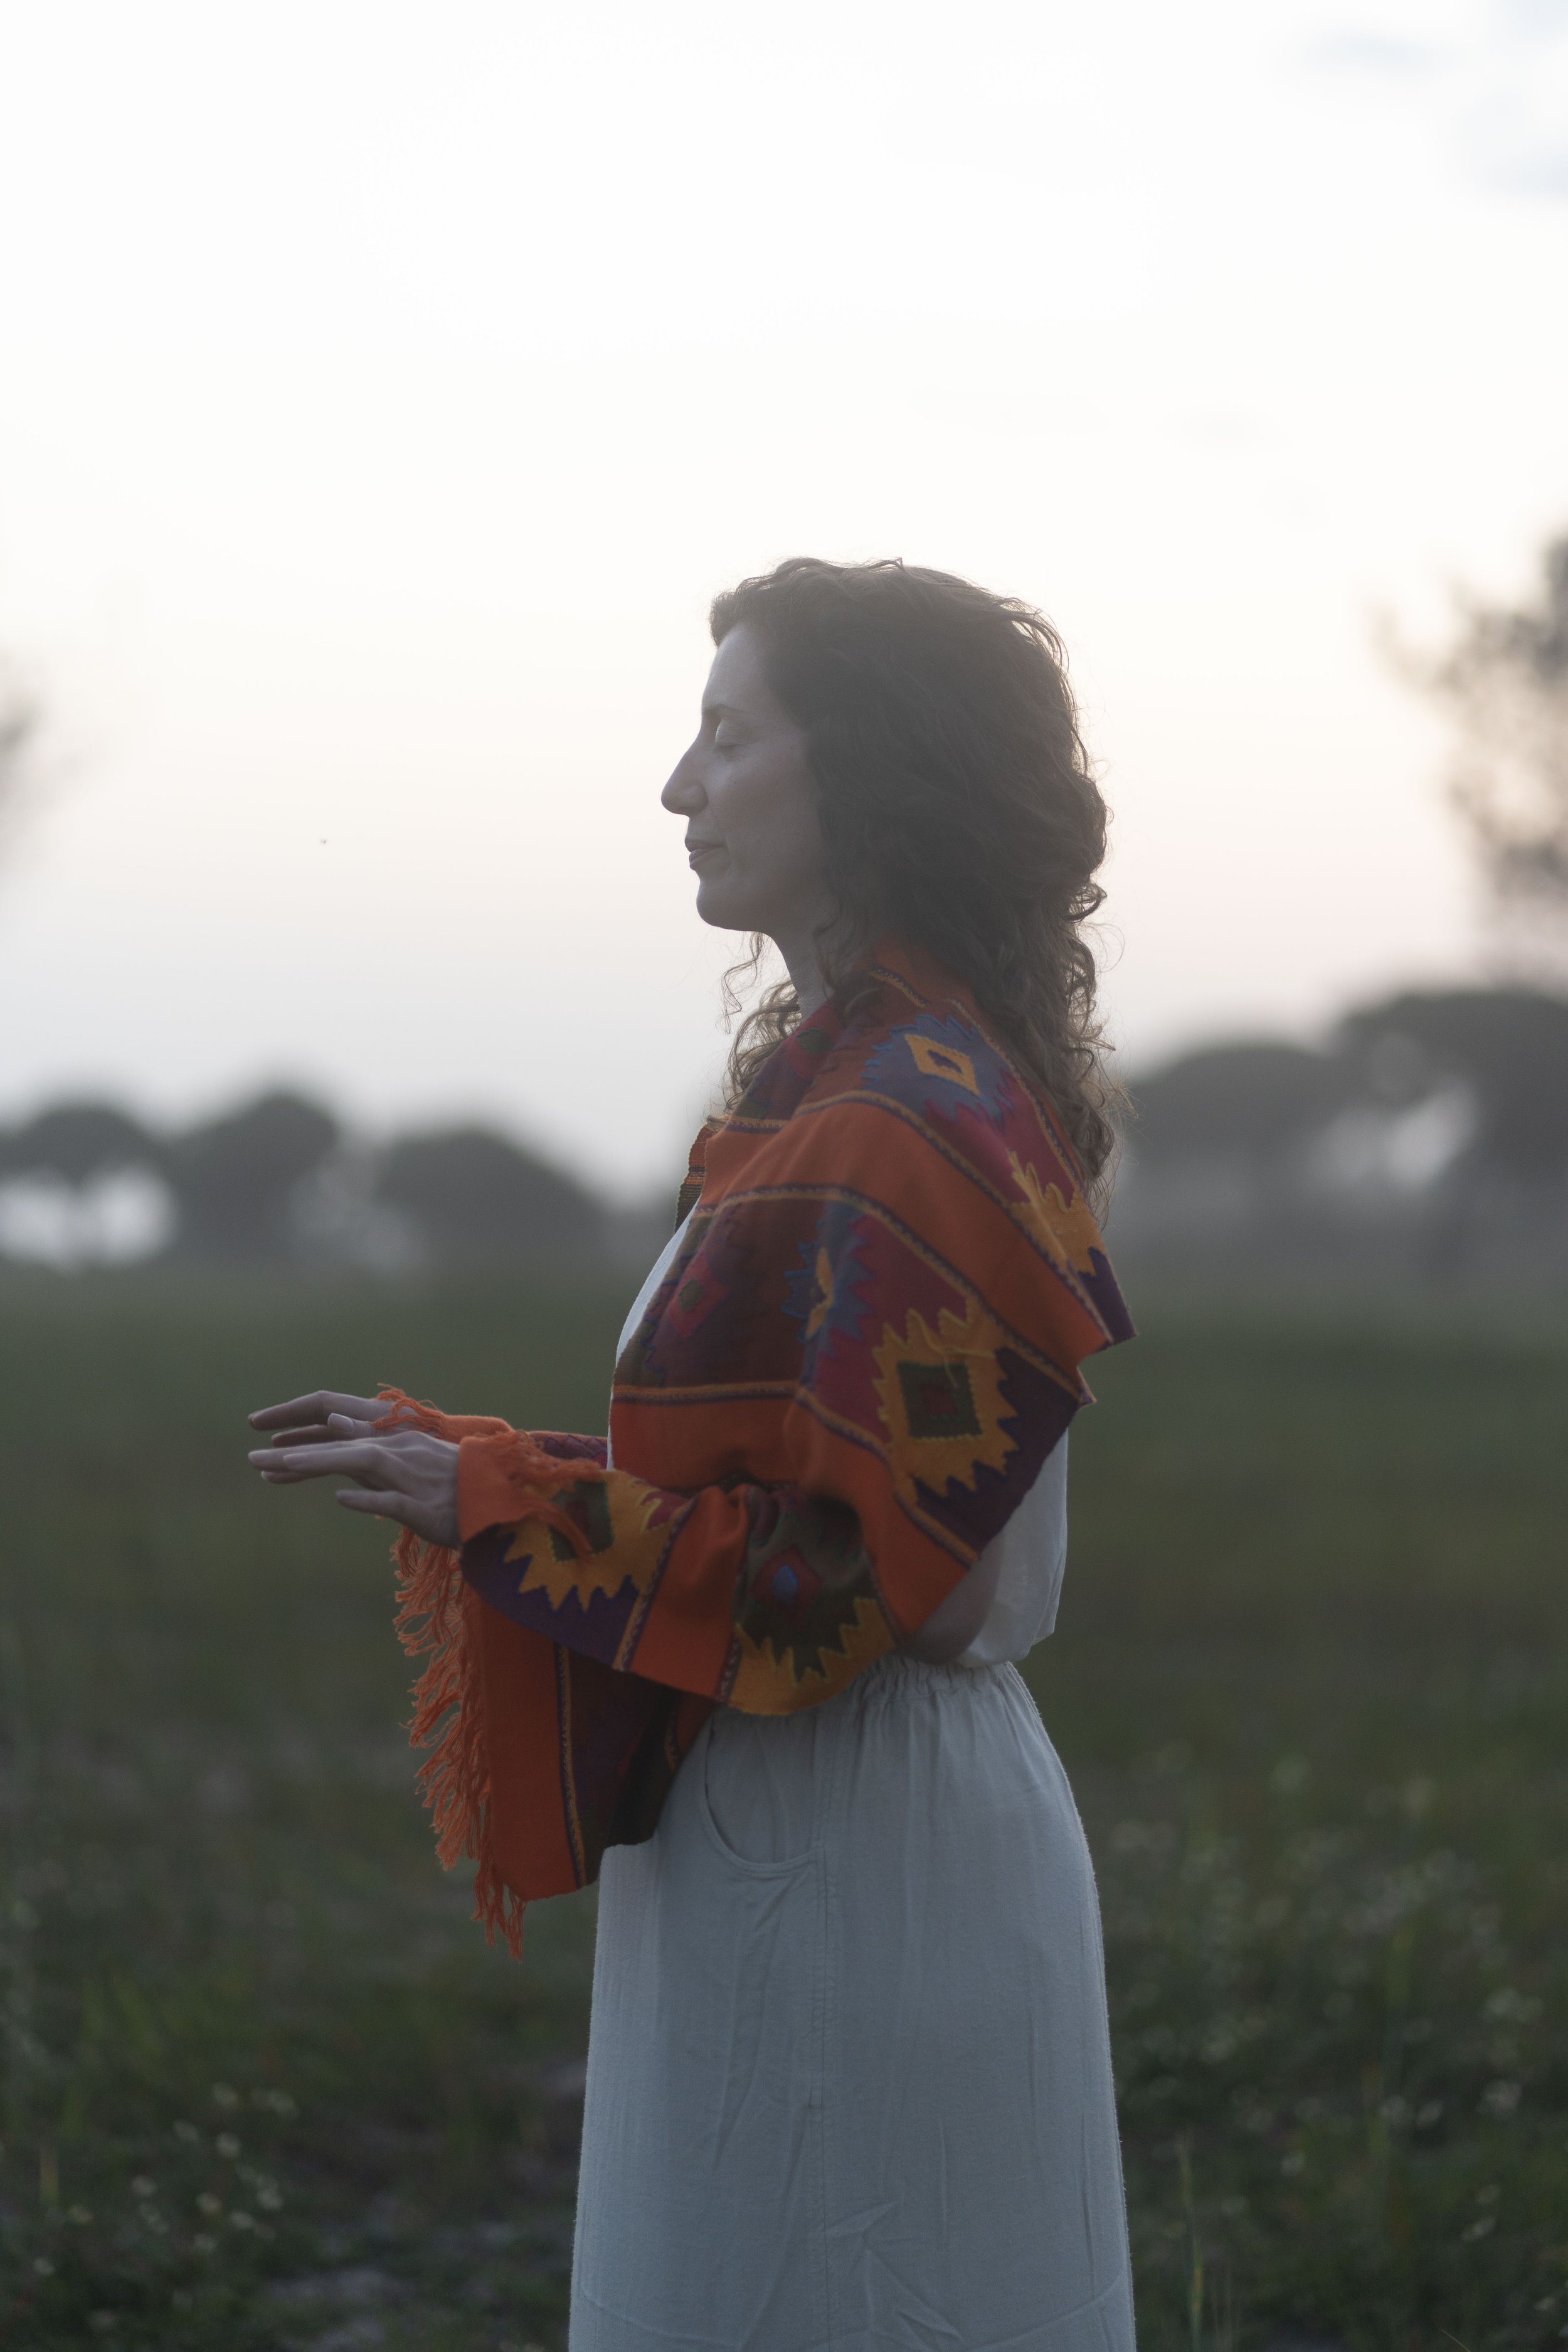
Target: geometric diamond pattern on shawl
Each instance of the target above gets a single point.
(941, 1401)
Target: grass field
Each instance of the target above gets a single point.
(265, 2087)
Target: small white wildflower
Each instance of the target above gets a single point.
(238, 2220)
(202, 2244)
(1500, 2099)
(187, 2133)
(226, 2144)
(142, 2186)
(224, 2097)
(1292, 2164)
(1482, 2228)
(269, 2197)
(43, 2265)
(80, 2214)
(207, 2203)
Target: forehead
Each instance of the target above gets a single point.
(737, 678)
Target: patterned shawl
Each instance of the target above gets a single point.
(866, 1346)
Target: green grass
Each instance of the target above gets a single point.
(1309, 1682)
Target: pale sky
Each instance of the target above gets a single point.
(384, 391)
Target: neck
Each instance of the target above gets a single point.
(798, 944)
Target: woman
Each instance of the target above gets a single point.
(848, 2080)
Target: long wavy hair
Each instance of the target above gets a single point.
(958, 808)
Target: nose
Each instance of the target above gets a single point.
(683, 794)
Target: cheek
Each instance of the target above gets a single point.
(768, 813)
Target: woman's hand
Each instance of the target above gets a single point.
(398, 1474)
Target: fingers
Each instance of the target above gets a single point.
(422, 1469)
(298, 1414)
(363, 1458)
(314, 1410)
(331, 1431)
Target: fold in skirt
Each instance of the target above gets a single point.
(848, 2073)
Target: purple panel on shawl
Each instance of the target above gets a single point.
(594, 1628)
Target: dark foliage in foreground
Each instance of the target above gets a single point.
(265, 2087)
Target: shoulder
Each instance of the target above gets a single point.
(925, 1102)
(926, 1058)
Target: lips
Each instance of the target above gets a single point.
(696, 851)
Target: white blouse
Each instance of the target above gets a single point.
(1029, 1558)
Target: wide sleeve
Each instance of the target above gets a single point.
(763, 1596)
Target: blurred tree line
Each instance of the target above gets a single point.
(1430, 1122)
(280, 1179)
(1430, 1132)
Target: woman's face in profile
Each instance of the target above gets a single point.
(750, 804)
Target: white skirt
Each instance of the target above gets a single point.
(848, 2070)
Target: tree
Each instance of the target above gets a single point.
(1255, 1102)
(471, 1194)
(1507, 1047)
(1503, 682)
(236, 1179)
(77, 1141)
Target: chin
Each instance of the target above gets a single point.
(719, 907)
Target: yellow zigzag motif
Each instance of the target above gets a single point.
(942, 1401)
(768, 1683)
(627, 1546)
(1065, 1229)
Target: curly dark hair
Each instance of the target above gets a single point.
(958, 806)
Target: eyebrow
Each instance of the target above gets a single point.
(722, 710)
